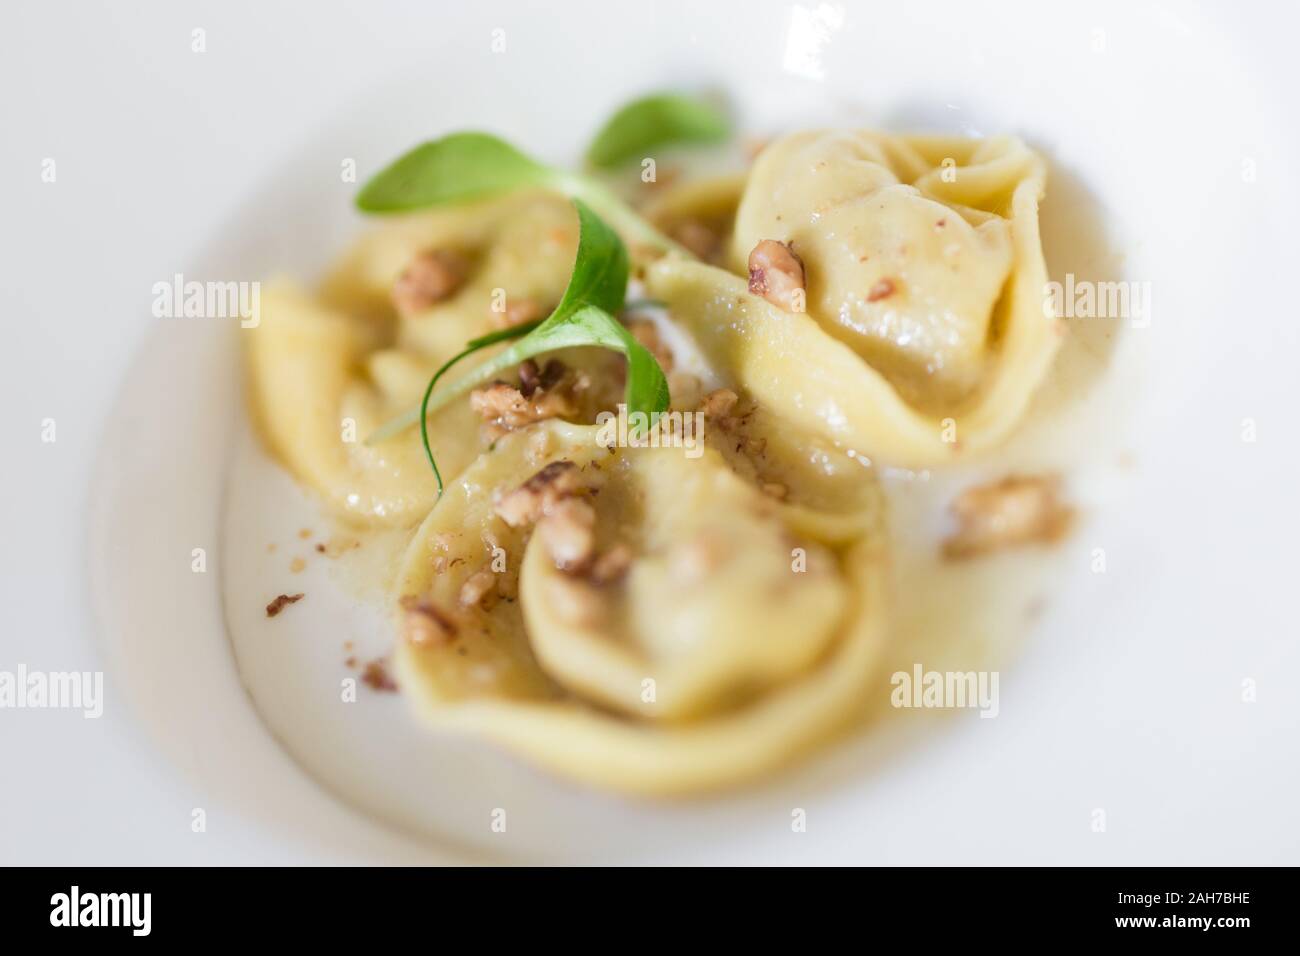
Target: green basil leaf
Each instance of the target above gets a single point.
(465, 166)
(458, 167)
(502, 335)
(653, 122)
(647, 388)
(600, 268)
(599, 280)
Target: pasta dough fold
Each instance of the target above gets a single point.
(734, 639)
(925, 332)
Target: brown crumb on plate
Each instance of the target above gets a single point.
(377, 677)
(281, 602)
(1016, 510)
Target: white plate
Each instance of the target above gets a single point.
(1127, 696)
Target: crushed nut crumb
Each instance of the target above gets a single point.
(527, 503)
(882, 290)
(281, 602)
(376, 676)
(425, 624)
(567, 530)
(479, 589)
(547, 393)
(431, 277)
(1014, 511)
(776, 274)
(719, 403)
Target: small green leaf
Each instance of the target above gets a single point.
(465, 166)
(600, 268)
(647, 388)
(458, 167)
(653, 122)
(599, 280)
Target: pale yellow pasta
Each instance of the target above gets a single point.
(315, 408)
(721, 670)
(324, 378)
(706, 537)
(946, 358)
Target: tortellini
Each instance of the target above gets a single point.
(315, 406)
(327, 371)
(737, 635)
(925, 331)
(899, 276)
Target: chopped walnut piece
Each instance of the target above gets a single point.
(776, 274)
(540, 493)
(1016, 510)
(611, 565)
(719, 403)
(505, 408)
(568, 533)
(425, 624)
(281, 602)
(516, 312)
(376, 676)
(882, 290)
(530, 378)
(501, 402)
(430, 277)
(337, 546)
(479, 589)
(647, 333)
